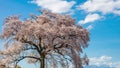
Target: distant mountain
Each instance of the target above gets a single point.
(94, 66)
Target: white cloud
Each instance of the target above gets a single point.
(103, 6)
(57, 6)
(104, 60)
(89, 27)
(89, 19)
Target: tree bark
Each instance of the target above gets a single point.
(42, 62)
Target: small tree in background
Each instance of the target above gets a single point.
(51, 39)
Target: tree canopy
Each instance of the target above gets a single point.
(49, 38)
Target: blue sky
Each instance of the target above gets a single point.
(100, 17)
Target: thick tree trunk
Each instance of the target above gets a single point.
(42, 62)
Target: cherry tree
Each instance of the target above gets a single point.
(51, 39)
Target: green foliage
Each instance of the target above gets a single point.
(18, 66)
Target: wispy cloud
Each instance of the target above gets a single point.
(57, 6)
(104, 60)
(89, 19)
(103, 6)
(89, 27)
